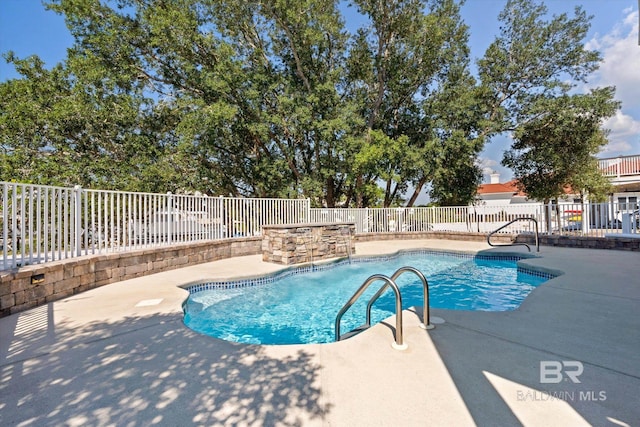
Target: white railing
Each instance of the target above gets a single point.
(620, 166)
(565, 219)
(45, 223)
(479, 219)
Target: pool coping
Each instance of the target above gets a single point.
(258, 280)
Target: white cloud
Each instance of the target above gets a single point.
(488, 166)
(624, 131)
(620, 68)
(622, 125)
(620, 60)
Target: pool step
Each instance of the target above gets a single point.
(354, 332)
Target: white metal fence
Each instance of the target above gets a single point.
(393, 220)
(45, 223)
(576, 219)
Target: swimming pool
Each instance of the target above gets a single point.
(299, 305)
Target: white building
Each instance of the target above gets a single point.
(624, 173)
(507, 193)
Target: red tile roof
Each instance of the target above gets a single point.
(507, 187)
(510, 187)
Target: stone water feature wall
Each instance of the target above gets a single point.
(298, 243)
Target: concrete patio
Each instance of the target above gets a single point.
(120, 355)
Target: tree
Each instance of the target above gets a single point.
(528, 75)
(557, 149)
(254, 87)
(412, 52)
(531, 61)
(68, 126)
(273, 98)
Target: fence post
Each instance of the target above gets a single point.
(5, 224)
(170, 217)
(366, 226)
(77, 229)
(585, 217)
(549, 219)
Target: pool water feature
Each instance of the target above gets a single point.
(300, 305)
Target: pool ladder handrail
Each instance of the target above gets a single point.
(399, 343)
(535, 222)
(425, 292)
(389, 282)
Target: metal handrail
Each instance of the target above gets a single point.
(426, 324)
(517, 243)
(399, 344)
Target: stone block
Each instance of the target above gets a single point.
(102, 274)
(6, 276)
(82, 269)
(129, 261)
(134, 269)
(22, 273)
(160, 265)
(5, 288)
(66, 285)
(7, 301)
(117, 274)
(22, 284)
(20, 297)
(106, 264)
(87, 279)
(54, 275)
(68, 270)
(36, 293)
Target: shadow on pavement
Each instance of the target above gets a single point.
(152, 370)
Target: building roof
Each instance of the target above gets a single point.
(511, 187)
(506, 187)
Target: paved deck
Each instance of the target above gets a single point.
(120, 355)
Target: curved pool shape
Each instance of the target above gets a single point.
(299, 305)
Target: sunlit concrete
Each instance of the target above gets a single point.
(120, 355)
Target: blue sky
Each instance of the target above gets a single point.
(27, 29)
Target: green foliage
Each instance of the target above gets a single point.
(557, 150)
(274, 98)
(55, 131)
(532, 60)
(404, 71)
(527, 77)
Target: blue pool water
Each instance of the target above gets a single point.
(301, 308)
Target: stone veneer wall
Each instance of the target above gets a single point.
(298, 243)
(587, 242)
(615, 243)
(38, 284)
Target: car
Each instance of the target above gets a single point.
(573, 226)
(617, 221)
(180, 225)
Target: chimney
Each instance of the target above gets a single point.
(495, 178)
